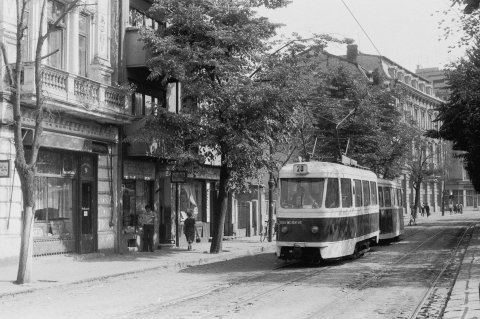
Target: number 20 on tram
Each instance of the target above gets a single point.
(325, 210)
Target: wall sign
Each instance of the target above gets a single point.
(4, 168)
(178, 177)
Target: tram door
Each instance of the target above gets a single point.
(87, 238)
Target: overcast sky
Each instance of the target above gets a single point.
(405, 31)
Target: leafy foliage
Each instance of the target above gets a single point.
(460, 116)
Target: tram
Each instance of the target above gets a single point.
(326, 210)
(392, 207)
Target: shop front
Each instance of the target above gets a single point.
(65, 219)
(137, 192)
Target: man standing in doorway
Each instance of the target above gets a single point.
(148, 222)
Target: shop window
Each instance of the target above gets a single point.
(457, 196)
(471, 197)
(53, 207)
(191, 198)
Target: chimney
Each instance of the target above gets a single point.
(352, 52)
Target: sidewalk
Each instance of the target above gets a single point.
(64, 270)
(464, 300)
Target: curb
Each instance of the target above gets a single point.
(204, 260)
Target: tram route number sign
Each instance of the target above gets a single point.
(300, 169)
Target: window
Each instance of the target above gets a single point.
(139, 19)
(144, 104)
(387, 196)
(366, 193)
(56, 39)
(400, 197)
(373, 190)
(380, 196)
(191, 198)
(457, 196)
(471, 198)
(346, 187)
(302, 193)
(332, 199)
(83, 44)
(358, 193)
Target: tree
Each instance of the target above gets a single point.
(213, 48)
(460, 115)
(348, 114)
(26, 163)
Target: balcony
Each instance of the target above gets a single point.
(136, 56)
(76, 95)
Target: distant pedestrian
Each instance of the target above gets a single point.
(460, 208)
(147, 220)
(427, 209)
(450, 207)
(422, 211)
(189, 228)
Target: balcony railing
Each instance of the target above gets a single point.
(75, 91)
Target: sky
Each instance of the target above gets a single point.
(405, 31)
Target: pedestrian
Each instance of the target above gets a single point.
(450, 207)
(460, 208)
(147, 220)
(427, 209)
(189, 228)
(422, 212)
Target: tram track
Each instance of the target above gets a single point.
(244, 298)
(421, 310)
(354, 290)
(257, 292)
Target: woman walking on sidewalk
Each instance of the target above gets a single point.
(189, 228)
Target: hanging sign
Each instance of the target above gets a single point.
(178, 177)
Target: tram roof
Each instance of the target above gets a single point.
(327, 169)
(388, 182)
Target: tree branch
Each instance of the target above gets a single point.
(7, 65)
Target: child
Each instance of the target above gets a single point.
(189, 228)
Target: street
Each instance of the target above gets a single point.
(410, 278)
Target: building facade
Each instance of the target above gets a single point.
(76, 199)
(458, 188)
(421, 105)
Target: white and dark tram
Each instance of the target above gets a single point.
(392, 207)
(326, 210)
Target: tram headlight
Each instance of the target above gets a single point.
(314, 229)
(284, 229)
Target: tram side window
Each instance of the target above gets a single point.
(373, 190)
(346, 187)
(332, 199)
(400, 197)
(366, 193)
(380, 196)
(387, 196)
(358, 193)
(394, 197)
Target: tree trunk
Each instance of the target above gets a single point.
(417, 197)
(220, 211)
(27, 178)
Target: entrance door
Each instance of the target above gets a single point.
(87, 218)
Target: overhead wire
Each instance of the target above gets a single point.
(361, 27)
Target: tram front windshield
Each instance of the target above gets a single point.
(301, 193)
